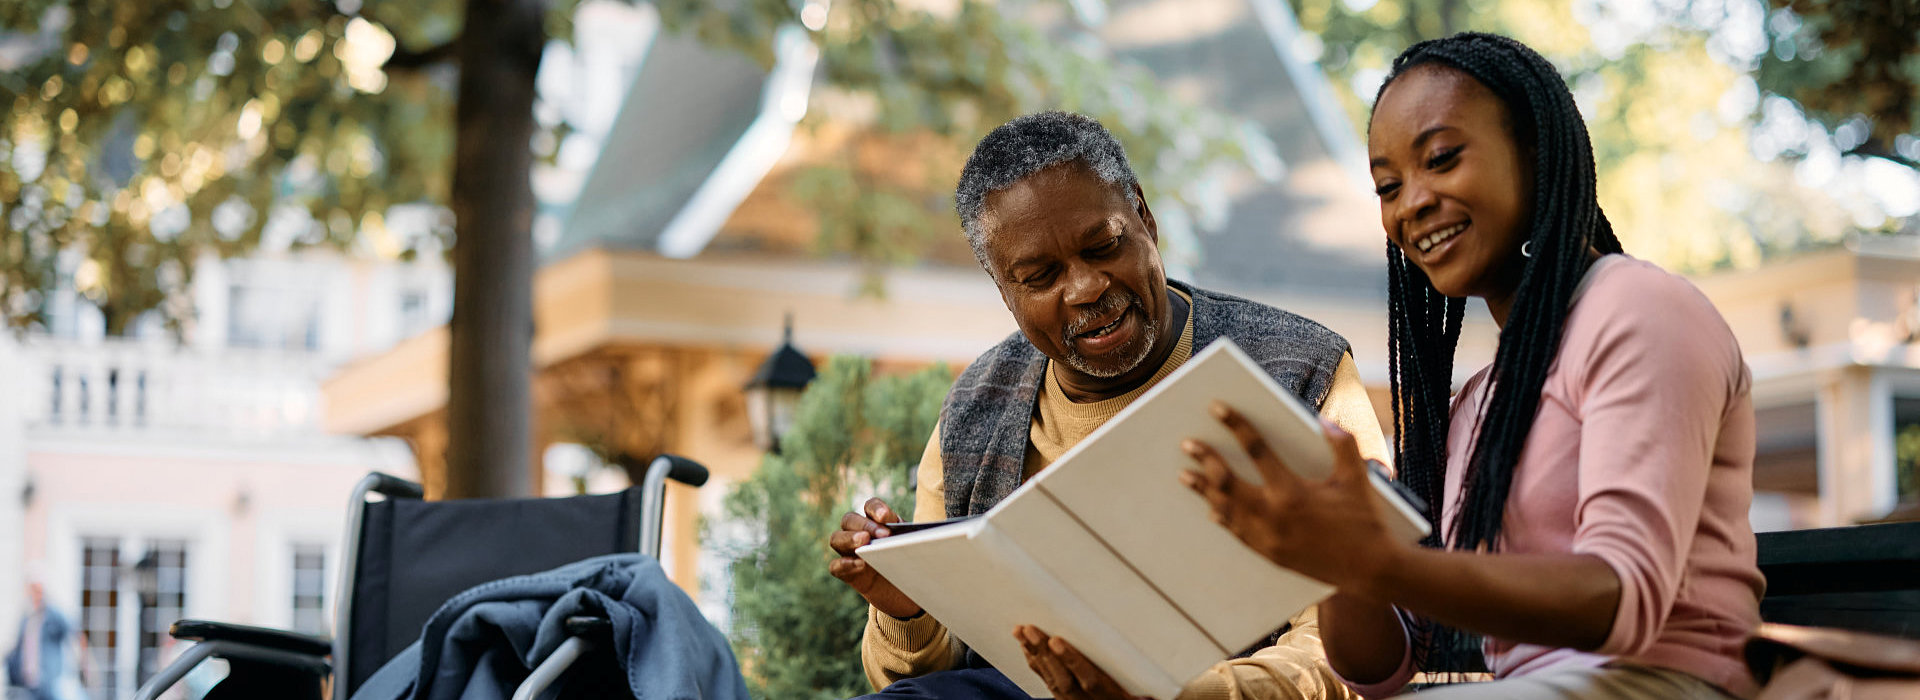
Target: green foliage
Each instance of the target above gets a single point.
(140, 135)
(951, 78)
(1847, 59)
(881, 224)
(796, 629)
(172, 128)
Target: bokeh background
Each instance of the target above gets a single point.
(250, 251)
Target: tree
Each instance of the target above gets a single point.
(133, 145)
(1850, 61)
(855, 436)
(143, 135)
(490, 368)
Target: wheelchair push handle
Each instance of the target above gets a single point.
(392, 486)
(653, 493)
(683, 470)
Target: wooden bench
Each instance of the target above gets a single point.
(1864, 578)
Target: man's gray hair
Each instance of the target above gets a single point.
(1030, 144)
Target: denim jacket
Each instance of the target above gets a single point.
(483, 642)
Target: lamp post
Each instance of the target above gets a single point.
(773, 395)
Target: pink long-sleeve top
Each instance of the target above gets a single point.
(1642, 455)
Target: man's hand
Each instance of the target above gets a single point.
(856, 530)
(1068, 674)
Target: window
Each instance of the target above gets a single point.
(275, 317)
(309, 589)
(126, 626)
(413, 311)
(100, 613)
(167, 604)
(238, 333)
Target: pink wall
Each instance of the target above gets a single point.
(239, 508)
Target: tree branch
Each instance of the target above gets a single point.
(1876, 148)
(404, 60)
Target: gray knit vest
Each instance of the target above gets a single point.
(984, 424)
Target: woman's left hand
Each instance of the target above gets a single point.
(1328, 530)
(1069, 674)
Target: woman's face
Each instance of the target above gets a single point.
(1455, 189)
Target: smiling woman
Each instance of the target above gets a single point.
(1594, 481)
(1454, 183)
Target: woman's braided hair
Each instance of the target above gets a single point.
(1424, 325)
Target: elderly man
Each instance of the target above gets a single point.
(1056, 216)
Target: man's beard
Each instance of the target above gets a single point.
(1129, 357)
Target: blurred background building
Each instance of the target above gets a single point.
(157, 480)
(705, 198)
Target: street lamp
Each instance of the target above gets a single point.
(773, 395)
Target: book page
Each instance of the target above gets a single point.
(1123, 482)
(1089, 570)
(980, 585)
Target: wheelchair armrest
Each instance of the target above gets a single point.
(262, 662)
(282, 640)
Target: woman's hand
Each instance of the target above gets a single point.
(1328, 530)
(1068, 674)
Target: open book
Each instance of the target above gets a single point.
(1106, 548)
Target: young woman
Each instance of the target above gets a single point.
(1592, 484)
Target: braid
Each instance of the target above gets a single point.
(1424, 327)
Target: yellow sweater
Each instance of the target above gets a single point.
(1295, 668)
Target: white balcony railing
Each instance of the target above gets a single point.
(137, 386)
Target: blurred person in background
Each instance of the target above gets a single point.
(42, 664)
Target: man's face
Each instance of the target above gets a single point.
(1079, 268)
(35, 595)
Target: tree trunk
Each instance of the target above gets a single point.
(489, 396)
(115, 318)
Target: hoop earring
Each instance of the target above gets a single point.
(1526, 249)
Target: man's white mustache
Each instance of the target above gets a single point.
(1107, 305)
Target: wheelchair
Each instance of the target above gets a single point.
(404, 557)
